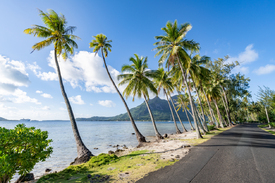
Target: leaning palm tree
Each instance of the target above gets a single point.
(164, 82)
(137, 78)
(173, 47)
(182, 102)
(101, 42)
(57, 32)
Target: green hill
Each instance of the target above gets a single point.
(3, 119)
(159, 107)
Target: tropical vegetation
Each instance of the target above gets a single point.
(209, 92)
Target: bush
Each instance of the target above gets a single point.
(20, 149)
(211, 127)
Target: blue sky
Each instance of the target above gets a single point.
(244, 30)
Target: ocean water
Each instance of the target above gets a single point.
(94, 134)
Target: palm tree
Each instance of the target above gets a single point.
(197, 74)
(164, 82)
(173, 47)
(214, 93)
(101, 42)
(57, 32)
(183, 102)
(138, 83)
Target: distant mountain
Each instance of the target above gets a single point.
(3, 119)
(159, 107)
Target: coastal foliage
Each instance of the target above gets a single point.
(20, 149)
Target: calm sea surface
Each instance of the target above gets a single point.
(94, 135)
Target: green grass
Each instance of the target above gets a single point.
(137, 164)
(206, 137)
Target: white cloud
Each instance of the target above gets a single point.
(91, 104)
(21, 97)
(265, 69)
(248, 56)
(62, 109)
(46, 108)
(13, 72)
(106, 103)
(82, 68)
(77, 100)
(37, 91)
(45, 95)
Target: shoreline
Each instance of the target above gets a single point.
(151, 156)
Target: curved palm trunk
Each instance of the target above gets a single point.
(219, 114)
(229, 124)
(203, 116)
(82, 150)
(139, 136)
(158, 135)
(210, 108)
(177, 129)
(183, 127)
(267, 118)
(192, 128)
(199, 121)
(227, 105)
(190, 98)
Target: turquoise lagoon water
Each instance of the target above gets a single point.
(94, 134)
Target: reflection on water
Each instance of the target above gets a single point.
(94, 135)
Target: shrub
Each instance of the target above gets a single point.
(20, 149)
(211, 127)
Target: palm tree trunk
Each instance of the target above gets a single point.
(192, 128)
(229, 124)
(82, 151)
(158, 135)
(208, 103)
(227, 104)
(184, 129)
(139, 136)
(199, 121)
(204, 121)
(267, 117)
(190, 98)
(219, 114)
(177, 129)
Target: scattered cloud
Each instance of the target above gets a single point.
(46, 108)
(91, 104)
(106, 103)
(62, 109)
(265, 69)
(45, 95)
(87, 68)
(21, 97)
(37, 91)
(77, 100)
(249, 55)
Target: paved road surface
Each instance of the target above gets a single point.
(244, 153)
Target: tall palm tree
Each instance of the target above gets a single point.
(197, 74)
(164, 82)
(173, 47)
(214, 93)
(183, 102)
(137, 78)
(101, 42)
(57, 32)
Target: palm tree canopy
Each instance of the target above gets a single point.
(172, 43)
(137, 77)
(101, 41)
(163, 80)
(55, 31)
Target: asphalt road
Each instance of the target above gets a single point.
(244, 153)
